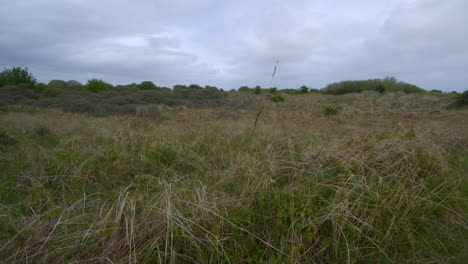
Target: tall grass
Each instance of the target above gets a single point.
(382, 182)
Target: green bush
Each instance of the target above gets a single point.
(213, 88)
(330, 110)
(277, 98)
(245, 89)
(380, 88)
(463, 98)
(195, 87)
(17, 75)
(177, 87)
(290, 91)
(304, 89)
(40, 87)
(147, 85)
(57, 84)
(96, 86)
(389, 84)
(257, 90)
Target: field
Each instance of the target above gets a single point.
(355, 178)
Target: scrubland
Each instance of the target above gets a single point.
(380, 180)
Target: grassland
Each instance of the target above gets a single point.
(382, 180)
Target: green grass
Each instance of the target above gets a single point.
(382, 182)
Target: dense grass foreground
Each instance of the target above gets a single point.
(381, 181)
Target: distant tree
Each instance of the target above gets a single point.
(195, 87)
(17, 75)
(179, 87)
(59, 84)
(390, 79)
(244, 89)
(96, 86)
(290, 91)
(147, 85)
(273, 90)
(257, 89)
(73, 83)
(208, 87)
(435, 91)
(132, 85)
(304, 89)
(312, 90)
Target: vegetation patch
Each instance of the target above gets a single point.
(329, 110)
(176, 181)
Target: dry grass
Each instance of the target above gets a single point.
(384, 181)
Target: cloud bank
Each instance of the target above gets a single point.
(234, 43)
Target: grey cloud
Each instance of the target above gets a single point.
(233, 43)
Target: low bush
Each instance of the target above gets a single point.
(389, 84)
(257, 90)
(277, 98)
(147, 85)
(462, 98)
(329, 110)
(96, 86)
(303, 89)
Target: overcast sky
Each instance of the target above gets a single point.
(233, 43)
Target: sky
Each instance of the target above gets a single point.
(231, 43)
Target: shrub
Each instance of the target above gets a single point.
(17, 75)
(389, 84)
(40, 87)
(462, 98)
(330, 110)
(96, 86)
(244, 89)
(128, 109)
(151, 111)
(73, 83)
(214, 88)
(79, 106)
(380, 88)
(17, 94)
(257, 90)
(179, 87)
(290, 91)
(52, 92)
(147, 85)
(195, 87)
(273, 90)
(277, 98)
(106, 109)
(304, 89)
(313, 90)
(57, 84)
